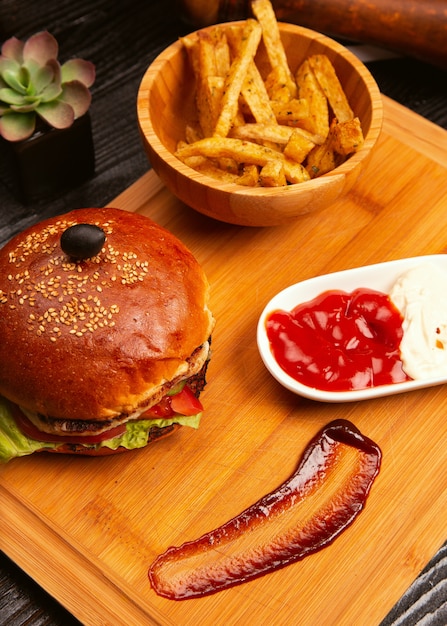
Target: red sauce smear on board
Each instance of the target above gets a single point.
(339, 341)
(307, 512)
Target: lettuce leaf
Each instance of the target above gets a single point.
(13, 443)
(137, 432)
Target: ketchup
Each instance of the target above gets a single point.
(339, 341)
(324, 495)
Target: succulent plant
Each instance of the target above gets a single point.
(33, 84)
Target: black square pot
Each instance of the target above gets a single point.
(50, 162)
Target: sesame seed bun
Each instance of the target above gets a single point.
(101, 339)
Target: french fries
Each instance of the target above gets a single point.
(269, 130)
(242, 152)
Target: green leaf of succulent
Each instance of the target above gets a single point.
(77, 96)
(10, 96)
(17, 126)
(78, 69)
(42, 77)
(15, 81)
(58, 114)
(41, 47)
(9, 65)
(51, 92)
(26, 107)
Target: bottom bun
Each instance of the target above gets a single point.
(155, 434)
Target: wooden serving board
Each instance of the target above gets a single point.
(88, 529)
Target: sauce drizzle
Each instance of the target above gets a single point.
(307, 512)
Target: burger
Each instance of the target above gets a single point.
(105, 335)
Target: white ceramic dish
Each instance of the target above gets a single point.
(380, 277)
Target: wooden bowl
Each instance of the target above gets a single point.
(166, 103)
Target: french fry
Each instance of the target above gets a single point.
(236, 76)
(276, 85)
(291, 113)
(325, 74)
(249, 176)
(348, 137)
(209, 168)
(221, 52)
(194, 161)
(263, 11)
(310, 90)
(256, 97)
(206, 55)
(229, 165)
(298, 146)
(272, 175)
(274, 133)
(323, 159)
(295, 172)
(208, 102)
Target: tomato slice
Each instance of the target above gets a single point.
(182, 403)
(162, 409)
(186, 403)
(31, 431)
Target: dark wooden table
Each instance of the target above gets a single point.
(122, 39)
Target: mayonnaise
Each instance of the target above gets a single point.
(421, 296)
